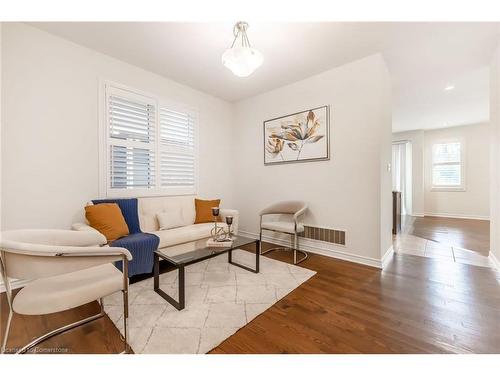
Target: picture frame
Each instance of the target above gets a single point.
(298, 137)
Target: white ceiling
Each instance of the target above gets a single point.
(423, 58)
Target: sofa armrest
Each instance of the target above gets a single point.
(83, 227)
(234, 213)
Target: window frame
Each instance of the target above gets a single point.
(448, 188)
(105, 189)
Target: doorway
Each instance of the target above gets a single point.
(402, 174)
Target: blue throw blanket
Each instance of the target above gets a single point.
(141, 245)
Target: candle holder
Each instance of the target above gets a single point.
(217, 233)
(229, 222)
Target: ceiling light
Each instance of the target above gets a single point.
(449, 88)
(241, 58)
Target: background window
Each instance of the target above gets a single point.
(447, 166)
(149, 146)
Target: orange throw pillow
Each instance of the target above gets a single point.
(108, 219)
(204, 210)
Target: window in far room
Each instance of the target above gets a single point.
(447, 166)
(149, 145)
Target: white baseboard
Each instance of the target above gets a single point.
(386, 258)
(417, 215)
(14, 284)
(495, 261)
(457, 216)
(318, 247)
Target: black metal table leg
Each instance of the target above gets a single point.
(257, 259)
(179, 305)
(182, 288)
(257, 256)
(156, 271)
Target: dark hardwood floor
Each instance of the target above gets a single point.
(416, 305)
(468, 234)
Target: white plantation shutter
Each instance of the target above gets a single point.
(447, 165)
(177, 150)
(131, 167)
(131, 137)
(129, 120)
(149, 149)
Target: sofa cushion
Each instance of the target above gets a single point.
(129, 211)
(187, 233)
(149, 207)
(204, 210)
(170, 219)
(107, 218)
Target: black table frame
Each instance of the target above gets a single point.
(181, 303)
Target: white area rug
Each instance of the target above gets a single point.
(220, 299)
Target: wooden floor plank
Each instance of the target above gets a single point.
(416, 305)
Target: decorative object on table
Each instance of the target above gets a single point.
(213, 243)
(229, 222)
(218, 233)
(299, 137)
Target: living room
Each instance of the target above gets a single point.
(183, 187)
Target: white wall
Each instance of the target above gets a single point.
(416, 138)
(474, 202)
(495, 154)
(343, 193)
(50, 127)
(1, 127)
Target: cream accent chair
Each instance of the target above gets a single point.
(67, 269)
(290, 213)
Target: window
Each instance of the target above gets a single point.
(149, 146)
(447, 166)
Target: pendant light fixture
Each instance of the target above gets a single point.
(241, 58)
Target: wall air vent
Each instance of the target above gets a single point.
(323, 234)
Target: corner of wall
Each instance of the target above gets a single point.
(385, 161)
(495, 154)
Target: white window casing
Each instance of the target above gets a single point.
(447, 166)
(148, 146)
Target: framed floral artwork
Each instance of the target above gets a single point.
(299, 137)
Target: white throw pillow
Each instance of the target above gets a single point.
(170, 219)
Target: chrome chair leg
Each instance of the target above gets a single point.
(260, 242)
(57, 331)
(125, 320)
(297, 250)
(6, 333)
(294, 246)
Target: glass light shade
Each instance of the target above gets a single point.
(242, 61)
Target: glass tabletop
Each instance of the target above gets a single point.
(195, 251)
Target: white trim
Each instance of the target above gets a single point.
(314, 246)
(387, 257)
(457, 216)
(494, 260)
(159, 101)
(417, 214)
(449, 188)
(14, 284)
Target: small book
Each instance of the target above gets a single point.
(212, 243)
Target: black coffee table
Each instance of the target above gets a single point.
(188, 253)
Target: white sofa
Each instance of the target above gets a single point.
(149, 207)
